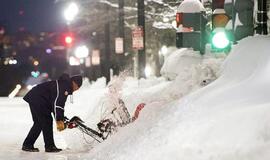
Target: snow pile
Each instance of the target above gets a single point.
(190, 71)
(187, 61)
(154, 91)
(85, 102)
(231, 116)
(178, 60)
(228, 119)
(225, 120)
(191, 6)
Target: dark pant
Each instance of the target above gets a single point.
(42, 122)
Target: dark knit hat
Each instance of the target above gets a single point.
(77, 79)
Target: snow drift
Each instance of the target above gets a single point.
(229, 119)
(226, 120)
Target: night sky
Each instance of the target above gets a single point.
(31, 15)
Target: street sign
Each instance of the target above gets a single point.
(88, 62)
(119, 45)
(95, 57)
(137, 38)
(73, 61)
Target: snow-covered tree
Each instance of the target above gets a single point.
(159, 18)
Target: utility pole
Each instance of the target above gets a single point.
(244, 9)
(121, 33)
(141, 52)
(262, 17)
(107, 46)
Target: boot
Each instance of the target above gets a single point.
(30, 149)
(52, 149)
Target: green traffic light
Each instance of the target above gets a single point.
(220, 40)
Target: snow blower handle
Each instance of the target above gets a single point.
(72, 123)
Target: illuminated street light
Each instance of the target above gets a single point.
(73, 61)
(48, 51)
(81, 52)
(71, 12)
(35, 63)
(15, 91)
(148, 71)
(164, 50)
(12, 61)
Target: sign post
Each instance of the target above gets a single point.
(138, 44)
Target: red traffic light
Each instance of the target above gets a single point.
(68, 40)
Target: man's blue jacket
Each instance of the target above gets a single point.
(50, 97)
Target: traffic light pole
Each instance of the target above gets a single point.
(233, 17)
(121, 18)
(141, 52)
(262, 17)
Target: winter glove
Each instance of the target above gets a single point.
(60, 125)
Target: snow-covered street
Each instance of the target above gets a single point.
(227, 119)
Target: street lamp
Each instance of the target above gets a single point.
(164, 50)
(81, 51)
(69, 14)
(73, 61)
(148, 71)
(71, 11)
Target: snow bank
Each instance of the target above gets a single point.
(189, 70)
(229, 119)
(226, 120)
(177, 61)
(156, 92)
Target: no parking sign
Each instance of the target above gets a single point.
(137, 38)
